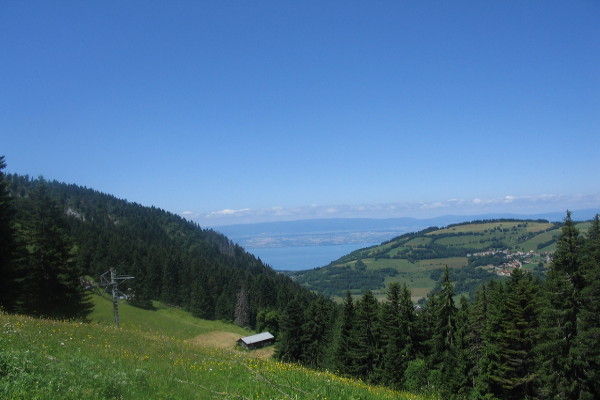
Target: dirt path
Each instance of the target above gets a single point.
(227, 340)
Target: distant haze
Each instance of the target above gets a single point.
(524, 205)
(305, 244)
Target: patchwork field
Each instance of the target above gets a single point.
(417, 259)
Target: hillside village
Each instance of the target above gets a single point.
(512, 260)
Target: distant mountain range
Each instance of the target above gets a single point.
(336, 231)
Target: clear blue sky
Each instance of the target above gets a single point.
(200, 107)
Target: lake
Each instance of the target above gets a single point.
(303, 257)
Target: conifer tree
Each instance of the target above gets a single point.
(290, 347)
(315, 333)
(51, 283)
(557, 369)
(365, 355)
(444, 324)
(8, 286)
(408, 319)
(346, 339)
(443, 350)
(587, 346)
(424, 325)
(487, 349)
(464, 365)
(474, 338)
(514, 377)
(397, 316)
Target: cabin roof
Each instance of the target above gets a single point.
(257, 338)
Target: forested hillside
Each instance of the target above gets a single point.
(475, 252)
(524, 337)
(173, 260)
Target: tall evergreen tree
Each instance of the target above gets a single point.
(51, 282)
(514, 376)
(424, 326)
(443, 350)
(315, 332)
(290, 346)
(397, 316)
(474, 338)
(464, 365)
(8, 286)
(488, 345)
(366, 353)
(587, 346)
(558, 373)
(346, 337)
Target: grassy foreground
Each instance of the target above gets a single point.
(47, 359)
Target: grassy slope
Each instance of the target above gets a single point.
(165, 320)
(148, 358)
(514, 235)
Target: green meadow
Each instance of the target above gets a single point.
(164, 320)
(149, 357)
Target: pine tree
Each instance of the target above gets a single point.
(514, 376)
(51, 283)
(474, 338)
(567, 257)
(315, 333)
(587, 345)
(444, 323)
(557, 369)
(424, 325)
(366, 353)
(464, 365)
(290, 347)
(487, 348)
(8, 286)
(443, 356)
(346, 339)
(397, 328)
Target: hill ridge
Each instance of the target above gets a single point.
(417, 258)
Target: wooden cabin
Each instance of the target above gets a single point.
(256, 341)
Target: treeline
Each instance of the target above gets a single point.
(493, 220)
(520, 338)
(53, 234)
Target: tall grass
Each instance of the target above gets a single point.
(46, 359)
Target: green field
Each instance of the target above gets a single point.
(149, 358)
(169, 321)
(411, 258)
(487, 226)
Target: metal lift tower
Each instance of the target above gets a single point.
(111, 280)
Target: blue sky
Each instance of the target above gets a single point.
(272, 110)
